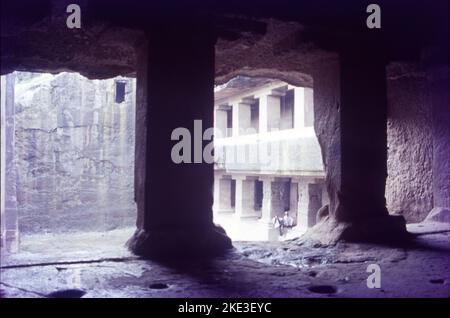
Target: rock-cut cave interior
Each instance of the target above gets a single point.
(331, 149)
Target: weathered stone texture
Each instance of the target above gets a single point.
(74, 153)
(439, 82)
(410, 144)
(43, 43)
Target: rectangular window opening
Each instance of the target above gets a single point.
(120, 91)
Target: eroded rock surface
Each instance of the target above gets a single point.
(74, 153)
(410, 143)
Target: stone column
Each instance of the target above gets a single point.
(266, 209)
(363, 138)
(263, 114)
(221, 122)
(350, 111)
(3, 162)
(234, 120)
(175, 86)
(440, 102)
(244, 200)
(308, 120)
(309, 202)
(299, 107)
(315, 202)
(269, 113)
(217, 192)
(273, 113)
(293, 202)
(303, 203)
(238, 203)
(9, 216)
(241, 118)
(225, 196)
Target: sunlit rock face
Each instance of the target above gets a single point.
(74, 153)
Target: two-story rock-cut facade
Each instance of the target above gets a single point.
(268, 159)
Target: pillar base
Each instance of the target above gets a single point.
(171, 244)
(386, 229)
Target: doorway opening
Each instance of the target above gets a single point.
(271, 162)
(67, 163)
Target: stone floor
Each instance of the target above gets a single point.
(98, 265)
(253, 229)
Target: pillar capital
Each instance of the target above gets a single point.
(266, 178)
(296, 179)
(239, 177)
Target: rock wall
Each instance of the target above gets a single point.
(439, 83)
(410, 143)
(74, 153)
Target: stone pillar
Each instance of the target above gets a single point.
(241, 118)
(273, 113)
(217, 192)
(303, 204)
(299, 107)
(310, 201)
(269, 113)
(350, 110)
(225, 195)
(175, 83)
(222, 194)
(3, 162)
(244, 200)
(239, 204)
(248, 188)
(266, 210)
(263, 114)
(363, 108)
(308, 120)
(440, 102)
(9, 216)
(315, 202)
(293, 202)
(221, 122)
(234, 120)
